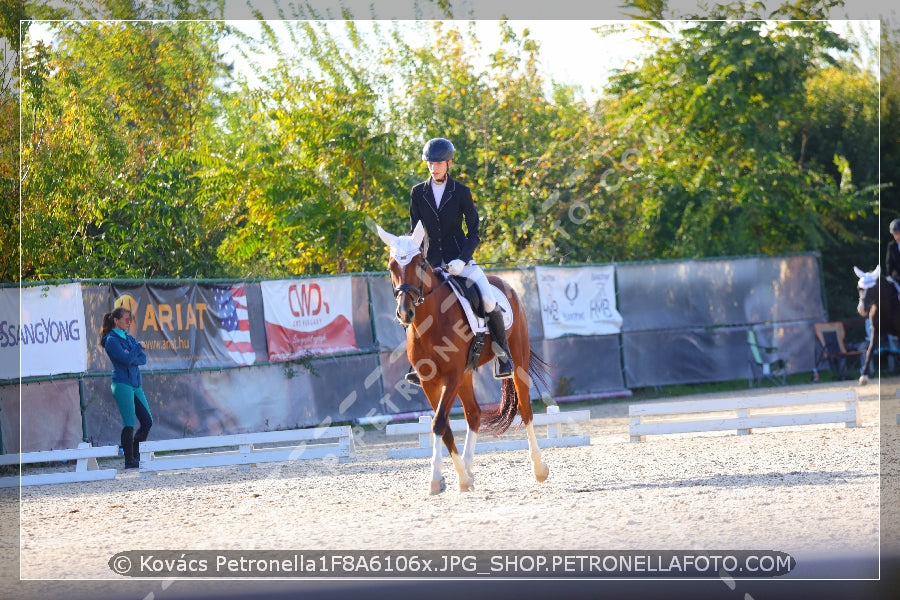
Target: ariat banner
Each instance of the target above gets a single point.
(49, 334)
(191, 325)
(578, 301)
(308, 316)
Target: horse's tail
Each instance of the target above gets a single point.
(500, 420)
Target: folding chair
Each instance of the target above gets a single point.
(832, 349)
(765, 363)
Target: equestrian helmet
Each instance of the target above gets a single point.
(895, 225)
(438, 150)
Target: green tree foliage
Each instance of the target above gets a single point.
(716, 173)
(10, 14)
(144, 156)
(500, 121)
(114, 123)
(890, 125)
(308, 161)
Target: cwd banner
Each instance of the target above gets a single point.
(309, 316)
(578, 301)
(49, 334)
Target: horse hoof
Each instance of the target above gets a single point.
(863, 380)
(438, 486)
(467, 487)
(541, 472)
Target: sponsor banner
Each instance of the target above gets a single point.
(48, 333)
(578, 301)
(189, 325)
(229, 332)
(310, 316)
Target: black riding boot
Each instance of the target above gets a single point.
(503, 368)
(127, 441)
(139, 436)
(413, 377)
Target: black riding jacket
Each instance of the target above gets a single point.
(444, 237)
(892, 261)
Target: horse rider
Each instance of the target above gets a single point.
(892, 259)
(442, 204)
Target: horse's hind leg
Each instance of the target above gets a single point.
(466, 481)
(541, 470)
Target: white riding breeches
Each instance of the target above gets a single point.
(474, 273)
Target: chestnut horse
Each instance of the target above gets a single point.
(437, 343)
(882, 312)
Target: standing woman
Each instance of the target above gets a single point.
(443, 206)
(126, 354)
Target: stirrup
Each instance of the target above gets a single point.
(413, 377)
(503, 368)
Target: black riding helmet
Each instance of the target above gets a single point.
(895, 225)
(437, 150)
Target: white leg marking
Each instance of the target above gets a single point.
(437, 466)
(437, 484)
(541, 471)
(466, 482)
(469, 449)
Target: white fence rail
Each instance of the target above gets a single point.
(247, 449)
(743, 414)
(86, 467)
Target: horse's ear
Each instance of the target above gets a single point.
(859, 272)
(418, 234)
(388, 238)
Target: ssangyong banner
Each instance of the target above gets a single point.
(190, 325)
(309, 316)
(578, 301)
(49, 334)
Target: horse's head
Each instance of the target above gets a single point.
(868, 289)
(409, 270)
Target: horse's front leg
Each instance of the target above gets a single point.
(440, 429)
(438, 483)
(864, 369)
(473, 421)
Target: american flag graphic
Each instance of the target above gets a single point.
(231, 306)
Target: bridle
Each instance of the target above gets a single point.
(417, 294)
(869, 297)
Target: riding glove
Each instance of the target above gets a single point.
(455, 266)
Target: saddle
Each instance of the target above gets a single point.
(469, 297)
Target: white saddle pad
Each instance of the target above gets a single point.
(477, 323)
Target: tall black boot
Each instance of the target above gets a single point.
(128, 448)
(413, 377)
(139, 436)
(503, 368)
